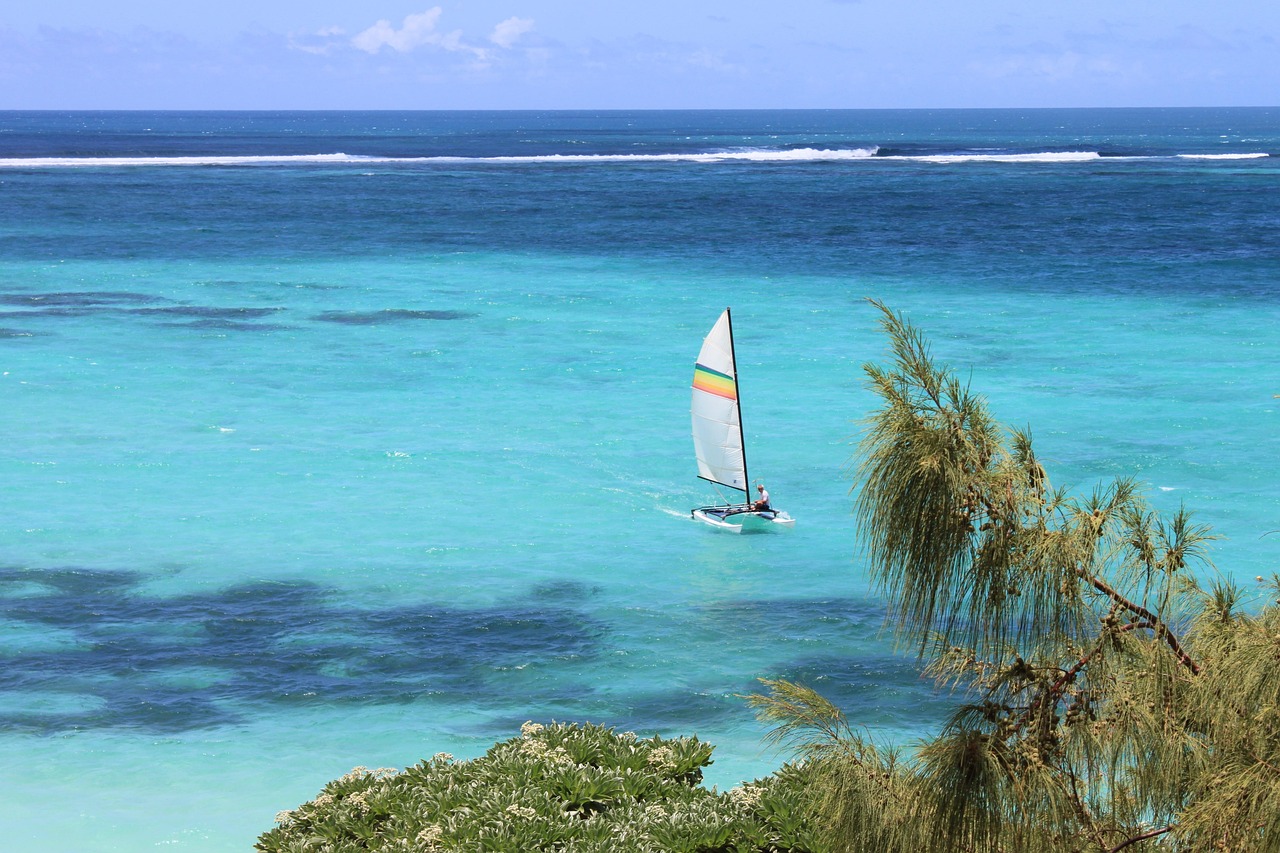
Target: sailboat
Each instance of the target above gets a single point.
(718, 439)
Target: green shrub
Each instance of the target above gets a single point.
(563, 787)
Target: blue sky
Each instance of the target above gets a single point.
(558, 54)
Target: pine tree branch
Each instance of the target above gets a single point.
(1170, 639)
(1068, 676)
(1260, 760)
(1143, 837)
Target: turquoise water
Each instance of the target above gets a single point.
(315, 461)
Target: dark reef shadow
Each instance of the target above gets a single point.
(130, 660)
(77, 299)
(94, 651)
(389, 315)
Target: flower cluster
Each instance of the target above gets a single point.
(662, 758)
(523, 812)
(430, 837)
(747, 795)
(539, 749)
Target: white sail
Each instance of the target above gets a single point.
(717, 422)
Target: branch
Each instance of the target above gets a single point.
(1170, 639)
(1055, 690)
(1260, 760)
(1070, 674)
(1143, 837)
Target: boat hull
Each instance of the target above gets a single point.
(736, 519)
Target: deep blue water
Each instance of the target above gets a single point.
(349, 438)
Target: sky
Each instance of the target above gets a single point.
(655, 54)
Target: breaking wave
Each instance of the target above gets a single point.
(757, 155)
(1253, 156)
(200, 160)
(752, 155)
(984, 157)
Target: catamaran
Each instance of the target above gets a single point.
(718, 439)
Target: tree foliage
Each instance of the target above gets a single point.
(562, 787)
(1110, 699)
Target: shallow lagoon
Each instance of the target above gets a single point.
(318, 464)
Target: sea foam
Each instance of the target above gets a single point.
(762, 155)
(260, 160)
(1251, 156)
(1039, 157)
(752, 155)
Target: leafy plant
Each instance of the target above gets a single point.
(562, 787)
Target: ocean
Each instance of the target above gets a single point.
(338, 439)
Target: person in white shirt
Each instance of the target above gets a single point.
(762, 502)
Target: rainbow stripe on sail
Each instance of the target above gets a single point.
(714, 382)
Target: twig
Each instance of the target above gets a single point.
(1143, 837)
(1158, 626)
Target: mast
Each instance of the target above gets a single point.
(742, 436)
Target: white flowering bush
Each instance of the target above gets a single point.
(558, 787)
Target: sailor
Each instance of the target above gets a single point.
(762, 501)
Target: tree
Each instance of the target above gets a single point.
(1111, 701)
(560, 787)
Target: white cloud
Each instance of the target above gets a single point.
(321, 43)
(420, 30)
(416, 31)
(1062, 66)
(509, 31)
